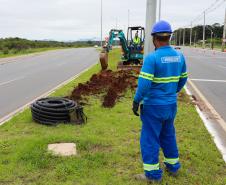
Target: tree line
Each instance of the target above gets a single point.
(16, 45)
(197, 34)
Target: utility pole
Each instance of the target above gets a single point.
(211, 34)
(175, 38)
(150, 21)
(224, 33)
(101, 22)
(191, 35)
(128, 18)
(211, 45)
(179, 36)
(160, 9)
(195, 39)
(204, 31)
(116, 23)
(184, 31)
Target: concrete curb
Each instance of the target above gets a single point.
(215, 125)
(219, 119)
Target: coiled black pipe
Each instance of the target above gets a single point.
(54, 110)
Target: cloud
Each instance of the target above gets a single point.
(76, 19)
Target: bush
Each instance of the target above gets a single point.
(18, 45)
(5, 50)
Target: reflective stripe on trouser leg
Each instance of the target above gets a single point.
(149, 142)
(171, 160)
(168, 138)
(151, 167)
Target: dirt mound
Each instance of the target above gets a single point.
(111, 84)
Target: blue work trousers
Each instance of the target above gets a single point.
(158, 132)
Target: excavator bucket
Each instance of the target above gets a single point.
(104, 60)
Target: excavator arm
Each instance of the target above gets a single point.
(130, 55)
(121, 36)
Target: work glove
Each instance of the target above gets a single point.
(135, 108)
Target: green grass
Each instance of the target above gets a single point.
(108, 147)
(28, 51)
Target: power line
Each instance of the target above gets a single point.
(216, 7)
(199, 17)
(213, 4)
(210, 9)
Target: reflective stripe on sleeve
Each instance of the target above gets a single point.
(171, 160)
(170, 79)
(151, 167)
(162, 79)
(184, 75)
(146, 76)
(167, 79)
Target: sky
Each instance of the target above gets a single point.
(70, 20)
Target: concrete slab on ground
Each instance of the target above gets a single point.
(63, 149)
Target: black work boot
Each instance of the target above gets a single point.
(142, 177)
(173, 174)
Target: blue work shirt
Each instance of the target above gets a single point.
(162, 76)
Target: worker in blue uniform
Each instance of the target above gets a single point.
(162, 76)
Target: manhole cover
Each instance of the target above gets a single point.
(63, 149)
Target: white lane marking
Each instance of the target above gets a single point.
(208, 80)
(10, 81)
(17, 111)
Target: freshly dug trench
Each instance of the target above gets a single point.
(111, 84)
(110, 98)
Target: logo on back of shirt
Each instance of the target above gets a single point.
(171, 59)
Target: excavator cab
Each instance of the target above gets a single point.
(131, 33)
(136, 50)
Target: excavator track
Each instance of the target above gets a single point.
(122, 66)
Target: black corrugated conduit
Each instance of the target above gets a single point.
(53, 110)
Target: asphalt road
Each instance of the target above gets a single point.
(207, 70)
(22, 79)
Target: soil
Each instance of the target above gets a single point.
(182, 97)
(111, 84)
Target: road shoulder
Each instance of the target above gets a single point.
(214, 123)
(11, 59)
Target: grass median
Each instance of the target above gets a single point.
(27, 52)
(33, 51)
(108, 146)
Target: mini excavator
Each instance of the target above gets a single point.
(132, 53)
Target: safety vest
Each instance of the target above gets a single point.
(136, 40)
